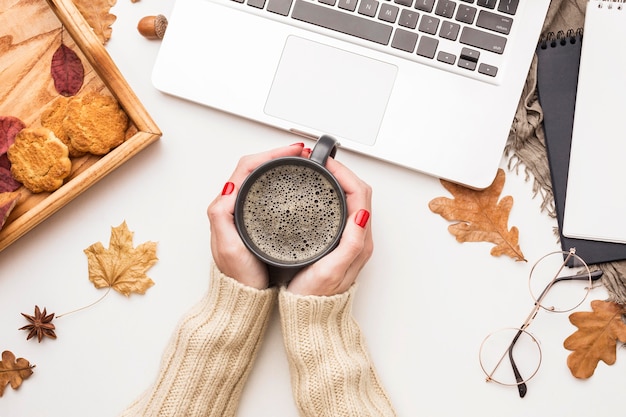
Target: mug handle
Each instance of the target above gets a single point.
(325, 147)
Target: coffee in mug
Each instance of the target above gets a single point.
(291, 211)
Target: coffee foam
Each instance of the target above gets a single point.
(292, 213)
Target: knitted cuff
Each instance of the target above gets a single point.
(331, 372)
(209, 356)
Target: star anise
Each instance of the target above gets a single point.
(40, 325)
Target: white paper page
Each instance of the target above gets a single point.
(595, 204)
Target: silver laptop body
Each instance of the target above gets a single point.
(438, 98)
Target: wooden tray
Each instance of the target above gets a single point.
(30, 32)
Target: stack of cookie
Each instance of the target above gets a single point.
(91, 123)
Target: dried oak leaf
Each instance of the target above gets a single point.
(121, 267)
(9, 128)
(96, 13)
(8, 201)
(40, 325)
(13, 371)
(480, 216)
(67, 71)
(596, 337)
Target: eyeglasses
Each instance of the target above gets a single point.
(517, 344)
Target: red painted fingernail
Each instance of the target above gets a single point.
(228, 188)
(362, 217)
(307, 150)
(300, 144)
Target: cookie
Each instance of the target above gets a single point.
(53, 118)
(95, 123)
(39, 160)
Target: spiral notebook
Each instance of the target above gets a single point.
(595, 205)
(558, 59)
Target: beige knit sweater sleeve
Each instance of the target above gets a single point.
(331, 372)
(209, 356)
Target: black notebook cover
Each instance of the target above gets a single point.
(558, 59)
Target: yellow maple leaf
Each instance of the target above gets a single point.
(480, 217)
(596, 337)
(122, 266)
(96, 13)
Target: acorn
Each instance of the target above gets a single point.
(152, 27)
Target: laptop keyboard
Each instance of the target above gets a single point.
(454, 33)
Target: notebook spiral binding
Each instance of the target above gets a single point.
(561, 37)
(610, 6)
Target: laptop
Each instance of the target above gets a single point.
(430, 85)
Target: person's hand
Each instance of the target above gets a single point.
(337, 271)
(229, 253)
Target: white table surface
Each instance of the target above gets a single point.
(425, 302)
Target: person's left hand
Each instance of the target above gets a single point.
(229, 253)
(336, 272)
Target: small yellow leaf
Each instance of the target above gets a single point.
(96, 13)
(480, 216)
(121, 266)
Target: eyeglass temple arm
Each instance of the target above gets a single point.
(521, 385)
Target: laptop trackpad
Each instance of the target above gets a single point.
(331, 90)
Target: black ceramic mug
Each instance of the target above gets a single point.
(291, 211)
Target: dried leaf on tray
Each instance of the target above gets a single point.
(480, 217)
(7, 182)
(67, 71)
(9, 128)
(13, 371)
(96, 13)
(8, 201)
(596, 337)
(121, 266)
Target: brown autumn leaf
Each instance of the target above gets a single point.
(480, 217)
(13, 371)
(96, 13)
(67, 71)
(121, 266)
(8, 201)
(9, 127)
(596, 337)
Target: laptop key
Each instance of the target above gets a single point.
(342, 22)
(388, 13)
(349, 5)
(494, 21)
(259, 4)
(487, 69)
(408, 18)
(449, 30)
(508, 6)
(427, 47)
(280, 7)
(429, 25)
(446, 57)
(445, 8)
(368, 7)
(425, 5)
(482, 40)
(490, 4)
(404, 40)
